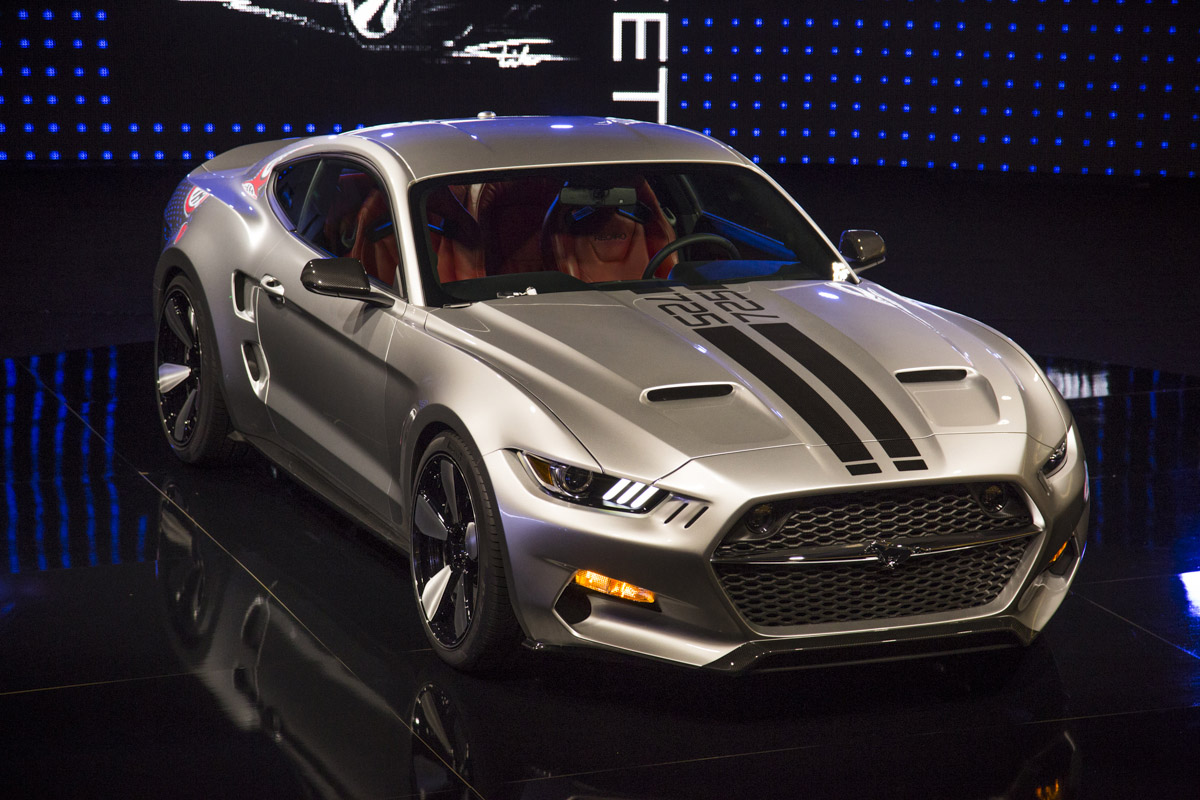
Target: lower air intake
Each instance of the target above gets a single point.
(769, 596)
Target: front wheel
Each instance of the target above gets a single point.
(457, 559)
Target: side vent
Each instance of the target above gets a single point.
(678, 506)
(931, 375)
(244, 289)
(251, 357)
(690, 391)
(256, 368)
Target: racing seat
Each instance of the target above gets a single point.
(335, 205)
(375, 239)
(511, 215)
(454, 236)
(597, 244)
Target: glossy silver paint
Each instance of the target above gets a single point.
(345, 394)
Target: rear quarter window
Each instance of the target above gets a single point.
(291, 186)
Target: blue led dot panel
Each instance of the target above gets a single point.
(1085, 87)
(1082, 87)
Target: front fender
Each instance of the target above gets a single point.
(460, 392)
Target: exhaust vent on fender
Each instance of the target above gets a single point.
(689, 391)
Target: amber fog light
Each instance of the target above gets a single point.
(610, 586)
(1063, 559)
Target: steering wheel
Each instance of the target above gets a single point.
(685, 241)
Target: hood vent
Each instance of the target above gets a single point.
(931, 375)
(691, 391)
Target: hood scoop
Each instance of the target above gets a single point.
(687, 391)
(952, 396)
(931, 375)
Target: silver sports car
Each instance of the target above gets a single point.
(608, 386)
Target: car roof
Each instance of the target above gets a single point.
(443, 147)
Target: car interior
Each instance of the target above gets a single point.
(342, 210)
(599, 227)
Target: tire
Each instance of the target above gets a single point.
(191, 403)
(458, 561)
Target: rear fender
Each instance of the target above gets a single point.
(216, 238)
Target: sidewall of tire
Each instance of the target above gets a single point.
(209, 443)
(494, 633)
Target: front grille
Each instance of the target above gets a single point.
(882, 515)
(773, 596)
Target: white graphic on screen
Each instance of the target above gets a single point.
(504, 33)
(510, 52)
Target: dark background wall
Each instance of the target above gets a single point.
(1107, 87)
(1030, 162)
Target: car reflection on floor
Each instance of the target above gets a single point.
(371, 719)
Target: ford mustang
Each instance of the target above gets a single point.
(608, 386)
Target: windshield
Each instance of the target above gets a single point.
(603, 227)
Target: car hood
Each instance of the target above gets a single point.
(648, 380)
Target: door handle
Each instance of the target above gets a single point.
(273, 287)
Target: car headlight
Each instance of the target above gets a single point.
(1057, 458)
(582, 486)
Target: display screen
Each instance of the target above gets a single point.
(1077, 87)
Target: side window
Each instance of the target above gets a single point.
(346, 213)
(291, 186)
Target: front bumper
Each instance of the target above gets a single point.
(695, 623)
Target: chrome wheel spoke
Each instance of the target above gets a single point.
(173, 316)
(434, 592)
(185, 415)
(171, 376)
(462, 606)
(427, 520)
(448, 475)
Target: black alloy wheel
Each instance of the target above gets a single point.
(191, 405)
(457, 563)
(179, 368)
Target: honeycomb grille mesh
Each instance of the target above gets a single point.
(882, 515)
(769, 596)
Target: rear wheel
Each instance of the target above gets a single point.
(191, 407)
(457, 559)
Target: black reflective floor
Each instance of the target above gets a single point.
(167, 631)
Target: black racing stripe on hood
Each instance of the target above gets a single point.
(842, 381)
(803, 399)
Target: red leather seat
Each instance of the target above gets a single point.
(375, 239)
(341, 218)
(608, 244)
(454, 235)
(511, 215)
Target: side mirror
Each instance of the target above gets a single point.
(342, 277)
(863, 249)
